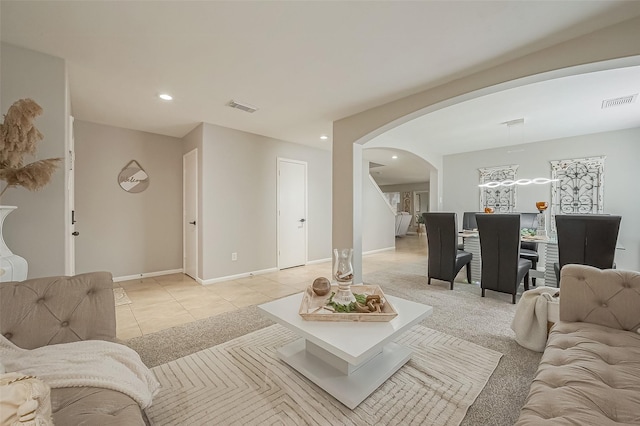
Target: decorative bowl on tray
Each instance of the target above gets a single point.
(321, 308)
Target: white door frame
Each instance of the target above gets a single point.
(306, 208)
(69, 214)
(184, 212)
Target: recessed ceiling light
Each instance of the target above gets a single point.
(165, 97)
(394, 157)
(324, 137)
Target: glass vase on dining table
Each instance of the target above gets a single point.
(541, 231)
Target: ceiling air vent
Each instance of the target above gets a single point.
(243, 107)
(625, 100)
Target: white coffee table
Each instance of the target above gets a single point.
(349, 360)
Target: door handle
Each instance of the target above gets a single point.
(192, 223)
(302, 220)
(75, 233)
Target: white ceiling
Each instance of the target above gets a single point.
(304, 64)
(560, 108)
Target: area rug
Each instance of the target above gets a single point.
(121, 296)
(242, 382)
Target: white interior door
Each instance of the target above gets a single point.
(292, 213)
(190, 213)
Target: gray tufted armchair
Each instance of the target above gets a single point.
(58, 310)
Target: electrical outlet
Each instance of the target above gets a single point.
(234, 256)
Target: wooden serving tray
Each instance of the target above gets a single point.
(311, 307)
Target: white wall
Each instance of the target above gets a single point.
(378, 221)
(239, 201)
(36, 230)
(406, 187)
(121, 232)
(622, 151)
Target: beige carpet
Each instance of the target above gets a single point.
(121, 296)
(242, 382)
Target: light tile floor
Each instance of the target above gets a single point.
(170, 300)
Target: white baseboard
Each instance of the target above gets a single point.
(328, 259)
(230, 277)
(146, 275)
(313, 262)
(378, 250)
(235, 277)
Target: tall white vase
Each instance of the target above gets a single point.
(12, 267)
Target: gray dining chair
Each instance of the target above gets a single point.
(502, 267)
(586, 239)
(444, 259)
(469, 221)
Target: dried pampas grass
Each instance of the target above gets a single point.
(33, 176)
(19, 136)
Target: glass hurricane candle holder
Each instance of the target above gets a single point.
(343, 274)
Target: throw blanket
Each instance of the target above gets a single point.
(93, 363)
(530, 320)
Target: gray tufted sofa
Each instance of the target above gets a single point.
(46, 311)
(589, 373)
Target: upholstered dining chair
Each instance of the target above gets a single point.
(586, 239)
(444, 260)
(469, 221)
(529, 249)
(502, 267)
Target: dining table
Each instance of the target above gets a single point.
(548, 256)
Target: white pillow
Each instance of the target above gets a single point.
(24, 401)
